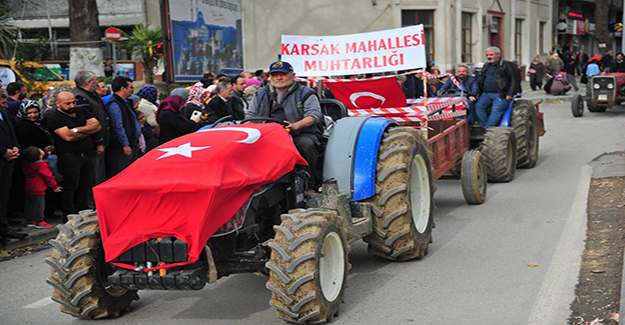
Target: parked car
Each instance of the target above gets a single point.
(36, 76)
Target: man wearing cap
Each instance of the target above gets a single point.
(296, 105)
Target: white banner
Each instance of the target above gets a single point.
(387, 50)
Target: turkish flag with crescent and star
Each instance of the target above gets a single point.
(375, 93)
(191, 186)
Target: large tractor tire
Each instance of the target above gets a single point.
(577, 105)
(308, 266)
(524, 122)
(403, 200)
(474, 177)
(499, 150)
(79, 272)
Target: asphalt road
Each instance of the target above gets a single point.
(476, 272)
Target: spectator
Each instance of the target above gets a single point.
(499, 82)
(607, 60)
(195, 101)
(125, 129)
(249, 92)
(73, 128)
(87, 98)
(569, 68)
(148, 105)
(102, 90)
(38, 179)
(559, 86)
(619, 64)
(9, 149)
(581, 59)
(172, 121)
(51, 102)
(29, 129)
(298, 106)
(238, 86)
(554, 64)
(536, 72)
(478, 70)
(146, 133)
(16, 92)
(221, 105)
(181, 92)
(109, 69)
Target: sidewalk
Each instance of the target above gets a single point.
(34, 235)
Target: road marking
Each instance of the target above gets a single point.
(557, 291)
(40, 303)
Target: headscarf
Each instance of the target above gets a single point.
(22, 114)
(172, 103)
(149, 93)
(197, 96)
(182, 92)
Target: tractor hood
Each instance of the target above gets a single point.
(190, 186)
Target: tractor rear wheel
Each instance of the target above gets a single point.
(308, 266)
(474, 177)
(525, 124)
(79, 271)
(402, 204)
(499, 150)
(577, 105)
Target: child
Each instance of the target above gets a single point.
(37, 178)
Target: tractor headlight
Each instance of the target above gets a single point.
(610, 86)
(596, 86)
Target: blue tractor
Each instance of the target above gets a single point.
(377, 187)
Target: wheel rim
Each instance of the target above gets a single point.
(419, 193)
(332, 266)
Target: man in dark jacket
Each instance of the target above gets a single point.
(222, 104)
(125, 128)
(469, 87)
(296, 105)
(86, 97)
(499, 82)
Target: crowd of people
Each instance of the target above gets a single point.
(57, 149)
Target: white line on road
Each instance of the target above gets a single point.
(40, 303)
(557, 291)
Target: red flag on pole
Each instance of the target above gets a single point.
(376, 93)
(191, 186)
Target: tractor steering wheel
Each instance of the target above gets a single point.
(261, 119)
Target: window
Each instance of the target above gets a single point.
(466, 37)
(518, 28)
(425, 17)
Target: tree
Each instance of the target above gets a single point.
(603, 36)
(7, 33)
(84, 33)
(146, 44)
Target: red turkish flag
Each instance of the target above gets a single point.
(377, 93)
(191, 186)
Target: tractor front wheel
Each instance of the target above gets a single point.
(577, 105)
(474, 177)
(79, 272)
(308, 266)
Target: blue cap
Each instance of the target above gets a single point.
(280, 66)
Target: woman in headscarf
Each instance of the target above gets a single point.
(172, 120)
(29, 130)
(148, 106)
(195, 101)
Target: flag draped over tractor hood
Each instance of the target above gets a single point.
(190, 186)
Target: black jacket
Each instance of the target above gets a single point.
(507, 78)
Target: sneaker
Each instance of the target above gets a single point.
(31, 224)
(43, 225)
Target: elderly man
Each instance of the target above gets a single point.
(86, 97)
(73, 128)
(296, 105)
(499, 82)
(221, 105)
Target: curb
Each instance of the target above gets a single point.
(34, 237)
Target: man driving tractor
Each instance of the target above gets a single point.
(498, 83)
(296, 105)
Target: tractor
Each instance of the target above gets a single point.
(603, 91)
(377, 187)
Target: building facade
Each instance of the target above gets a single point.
(456, 30)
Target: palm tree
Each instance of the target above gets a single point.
(7, 34)
(145, 43)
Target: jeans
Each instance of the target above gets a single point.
(33, 207)
(498, 107)
(78, 177)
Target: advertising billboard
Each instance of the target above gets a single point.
(205, 36)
